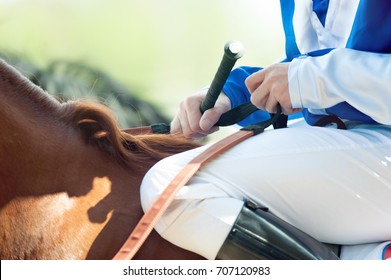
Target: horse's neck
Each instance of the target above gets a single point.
(58, 189)
(31, 155)
(61, 198)
(64, 199)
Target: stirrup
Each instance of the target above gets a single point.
(258, 234)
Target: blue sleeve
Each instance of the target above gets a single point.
(237, 92)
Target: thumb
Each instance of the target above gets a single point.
(211, 116)
(209, 119)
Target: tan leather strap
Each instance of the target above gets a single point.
(148, 221)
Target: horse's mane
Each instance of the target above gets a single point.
(96, 122)
(99, 127)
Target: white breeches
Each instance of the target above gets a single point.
(335, 185)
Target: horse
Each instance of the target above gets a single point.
(70, 177)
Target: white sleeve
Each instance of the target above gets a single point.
(362, 79)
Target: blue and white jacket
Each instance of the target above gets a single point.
(340, 54)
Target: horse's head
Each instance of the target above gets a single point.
(68, 175)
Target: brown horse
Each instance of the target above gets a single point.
(69, 177)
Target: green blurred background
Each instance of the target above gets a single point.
(161, 50)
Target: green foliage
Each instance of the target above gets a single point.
(163, 50)
(73, 80)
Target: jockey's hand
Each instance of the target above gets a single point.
(189, 120)
(269, 86)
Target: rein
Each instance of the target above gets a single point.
(145, 226)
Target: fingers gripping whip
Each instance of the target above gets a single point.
(233, 50)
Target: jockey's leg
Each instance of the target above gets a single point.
(334, 185)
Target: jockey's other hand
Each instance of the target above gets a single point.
(270, 86)
(189, 120)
